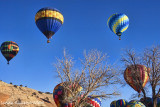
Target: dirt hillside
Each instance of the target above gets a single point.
(19, 96)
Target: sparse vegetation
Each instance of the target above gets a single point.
(47, 98)
(34, 93)
(21, 85)
(15, 86)
(19, 100)
(23, 97)
(40, 92)
(47, 92)
(10, 83)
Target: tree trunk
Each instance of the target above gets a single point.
(154, 97)
(154, 102)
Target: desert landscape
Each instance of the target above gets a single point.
(19, 96)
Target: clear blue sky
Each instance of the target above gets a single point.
(85, 27)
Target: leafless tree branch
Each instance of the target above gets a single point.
(94, 75)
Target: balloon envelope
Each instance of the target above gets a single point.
(59, 94)
(9, 49)
(113, 104)
(135, 74)
(135, 103)
(118, 23)
(119, 103)
(49, 20)
(93, 102)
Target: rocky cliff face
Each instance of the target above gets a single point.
(19, 96)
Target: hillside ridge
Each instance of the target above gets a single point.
(19, 96)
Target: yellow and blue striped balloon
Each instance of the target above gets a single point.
(135, 103)
(118, 23)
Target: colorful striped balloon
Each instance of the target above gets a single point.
(93, 102)
(135, 103)
(49, 20)
(113, 104)
(118, 23)
(58, 94)
(135, 74)
(121, 103)
(9, 49)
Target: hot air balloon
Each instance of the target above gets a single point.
(9, 50)
(49, 20)
(136, 76)
(119, 103)
(113, 104)
(59, 94)
(135, 103)
(93, 102)
(118, 23)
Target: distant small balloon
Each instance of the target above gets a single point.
(118, 23)
(9, 49)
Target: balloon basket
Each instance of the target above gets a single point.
(48, 41)
(119, 37)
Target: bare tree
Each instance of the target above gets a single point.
(93, 75)
(151, 59)
(131, 61)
